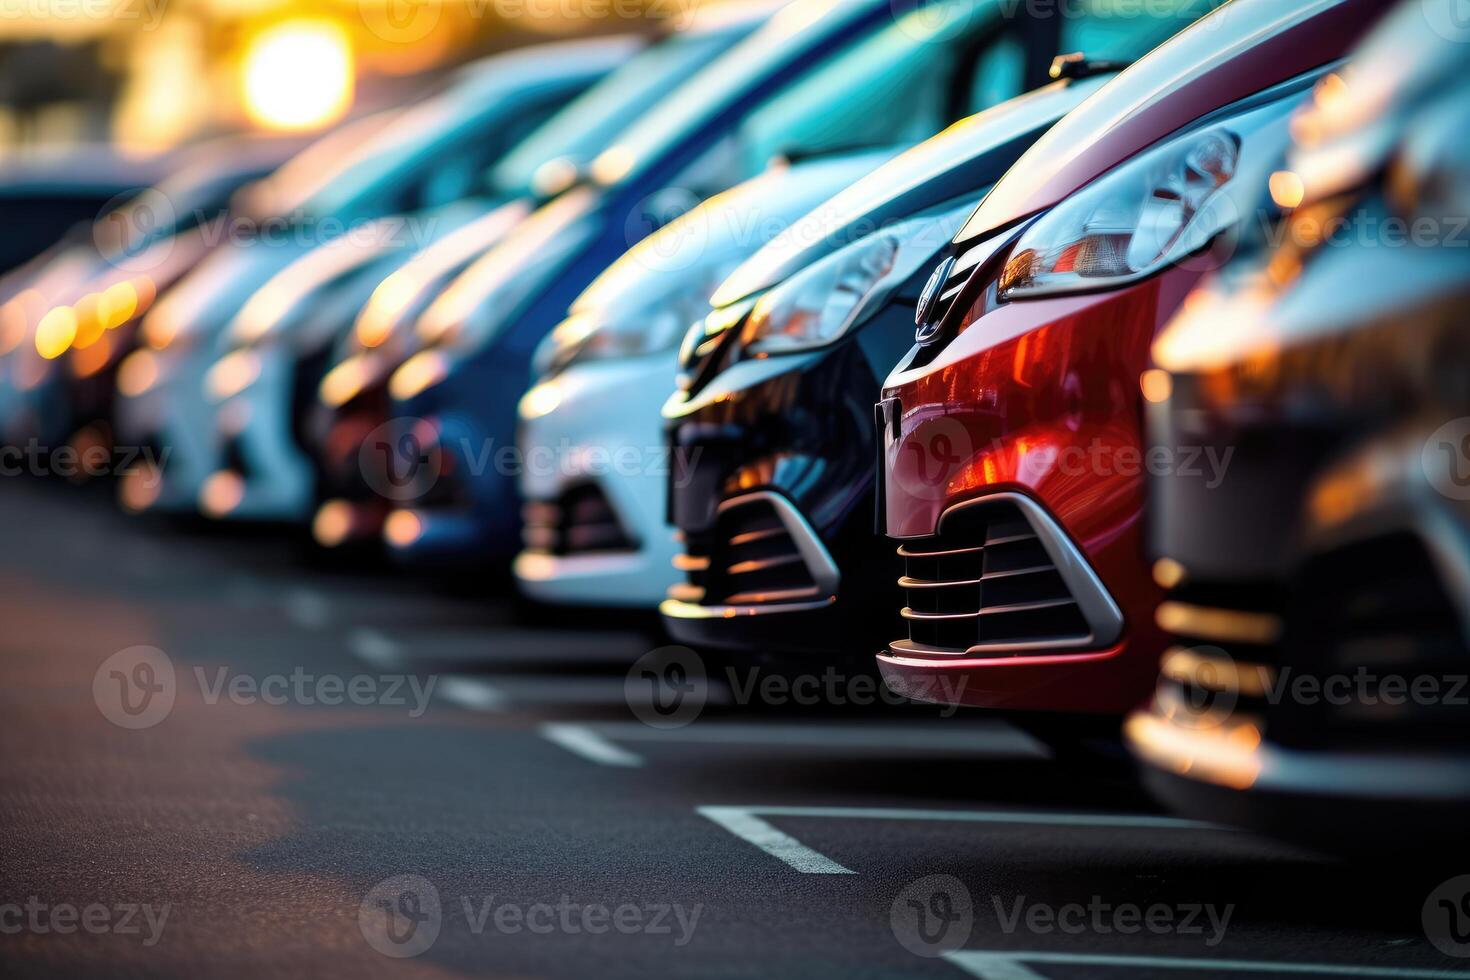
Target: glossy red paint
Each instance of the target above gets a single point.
(1042, 398)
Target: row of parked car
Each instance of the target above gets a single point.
(1151, 363)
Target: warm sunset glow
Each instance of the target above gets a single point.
(298, 75)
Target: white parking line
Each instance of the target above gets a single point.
(583, 741)
(743, 822)
(308, 608)
(989, 741)
(1012, 965)
(472, 693)
(375, 647)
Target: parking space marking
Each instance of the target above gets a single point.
(375, 647)
(582, 740)
(1011, 965)
(744, 822)
(308, 608)
(472, 693)
(594, 741)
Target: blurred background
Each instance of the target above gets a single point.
(151, 75)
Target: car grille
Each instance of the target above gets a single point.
(1361, 618)
(581, 521)
(749, 558)
(987, 582)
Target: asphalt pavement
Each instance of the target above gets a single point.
(220, 758)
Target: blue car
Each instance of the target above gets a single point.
(819, 77)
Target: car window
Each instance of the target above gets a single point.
(589, 122)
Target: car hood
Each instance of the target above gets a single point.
(1243, 48)
(725, 229)
(967, 157)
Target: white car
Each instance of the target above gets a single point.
(594, 471)
(412, 163)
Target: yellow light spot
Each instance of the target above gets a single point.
(613, 164)
(119, 304)
(383, 308)
(221, 493)
(90, 359)
(298, 75)
(343, 382)
(137, 373)
(89, 321)
(417, 374)
(55, 332)
(140, 488)
(232, 374)
(540, 400)
(1168, 573)
(14, 319)
(1287, 189)
(402, 528)
(1157, 385)
(332, 524)
(161, 326)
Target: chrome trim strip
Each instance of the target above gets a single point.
(814, 554)
(674, 609)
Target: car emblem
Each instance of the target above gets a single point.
(929, 299)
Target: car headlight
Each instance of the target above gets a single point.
(818, 305)
(593, 336)
(1150, 213)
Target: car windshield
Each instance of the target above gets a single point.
(788, 33)
(1193, 52)
(577, 133)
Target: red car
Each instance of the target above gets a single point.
(1013, 452)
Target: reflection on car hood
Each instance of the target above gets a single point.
(968, 156)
